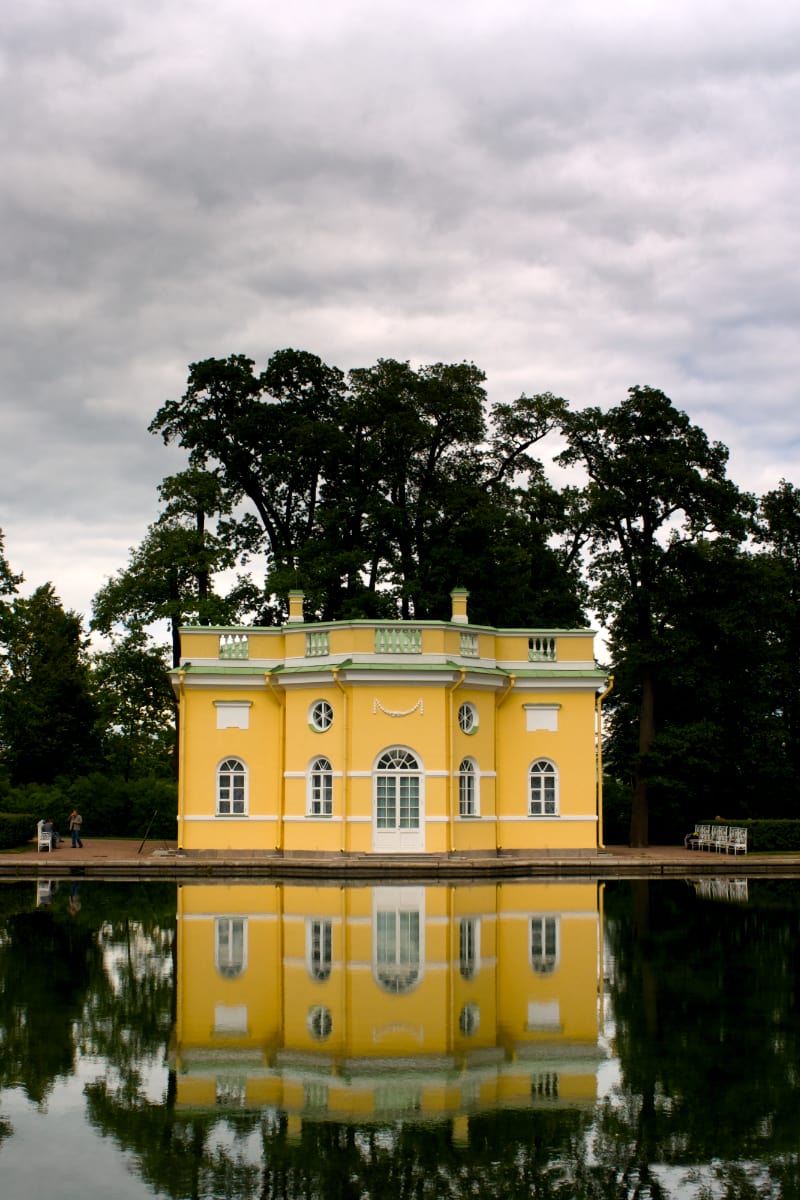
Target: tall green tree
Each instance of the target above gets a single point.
(422, 431)
(9, 585)
(654, 484)
(135, 705)
(171, 575)
(265, 436)
(379, 491)
(719, 745)
(778, 532)
(47, 710)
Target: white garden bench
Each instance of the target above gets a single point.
(703, 837)
(722, 837)
(44, 841)
(737, 839)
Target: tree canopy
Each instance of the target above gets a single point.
(377, 491)
(655, 484)
(47, 710)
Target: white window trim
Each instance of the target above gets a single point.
(319, 1022)
(313, 724)
(322, 815)
(320, 972)
(397, 902)
(541, 964)
(475, 776)
(246, 789)
(230, 969)
(544, 816)
(469, 929)
(396, 774)
(470, 707)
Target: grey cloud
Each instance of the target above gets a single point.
(577, 197)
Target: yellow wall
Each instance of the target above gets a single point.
(378, 703)
(572, 748)
(375, 1035)
(206, 746)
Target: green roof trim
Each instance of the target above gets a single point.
(244, 671)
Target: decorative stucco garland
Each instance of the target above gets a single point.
(376, 705)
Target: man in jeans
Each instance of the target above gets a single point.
(75, 822)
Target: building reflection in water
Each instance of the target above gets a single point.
(385, 1003)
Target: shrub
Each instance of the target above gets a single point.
(771, 835)
(16, 829)
(110, 806)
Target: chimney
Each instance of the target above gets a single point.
(459, 597)
(296, 608)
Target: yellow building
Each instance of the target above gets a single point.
(376, 1003)
(387, 737)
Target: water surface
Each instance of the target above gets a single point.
(548, 1038)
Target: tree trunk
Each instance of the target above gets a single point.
(639, 833)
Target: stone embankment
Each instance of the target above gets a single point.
(124, 859)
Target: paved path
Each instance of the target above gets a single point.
(122, 858)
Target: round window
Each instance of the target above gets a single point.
(468, 718)
(469, 1019)
(320, 1022)
(321, 716)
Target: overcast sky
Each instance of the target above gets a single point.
(577, 196)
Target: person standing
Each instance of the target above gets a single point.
(75, 822)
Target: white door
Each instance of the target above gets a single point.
(398, 818)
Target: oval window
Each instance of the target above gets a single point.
(321, 716)
(468, 718)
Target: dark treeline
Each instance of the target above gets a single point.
(377, 492)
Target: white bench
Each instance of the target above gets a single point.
(722, 837)
(44, 841)
(737, 839)
(703, 837)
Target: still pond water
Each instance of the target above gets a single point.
(517, 1039)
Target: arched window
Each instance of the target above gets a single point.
(397, 950)
(230, 946)
(469, 951)
(544, 944)
(397, 779)
(319, 949)
(467, 788)
(543, 794)
(320, 788)
(398, 932)
(231, 788)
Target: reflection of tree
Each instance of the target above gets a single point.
(708, 1035)
(707, 1007)
(171, 1154)
(47, 967)
(129, 1017)
(57, 991)
(202, 1154)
